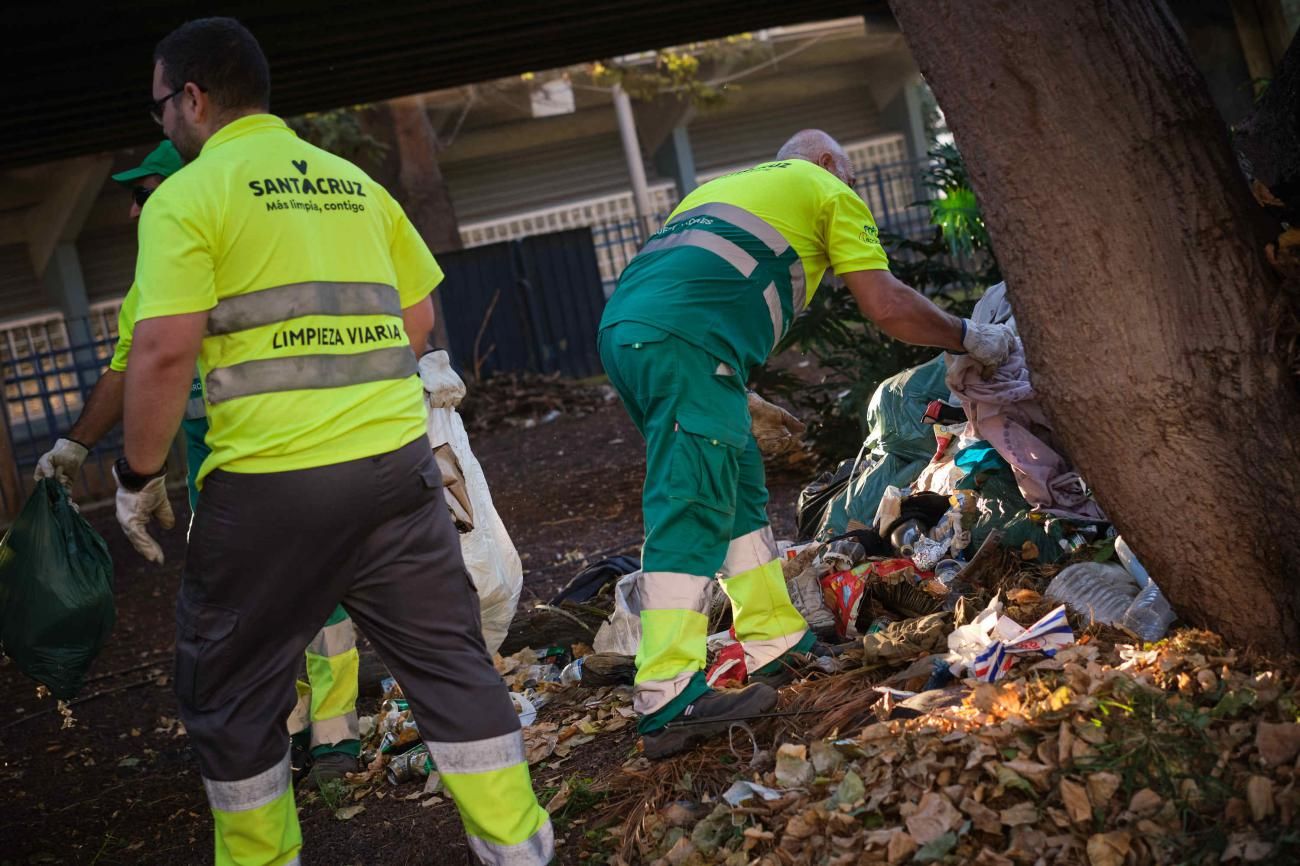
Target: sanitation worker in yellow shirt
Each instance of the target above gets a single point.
(303, 291)
(700, 306)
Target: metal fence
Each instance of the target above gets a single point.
(48, 367)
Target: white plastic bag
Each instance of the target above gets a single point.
(490, 556)
(622, 631)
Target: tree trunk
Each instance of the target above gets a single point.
(1118, 211)
(411, 172)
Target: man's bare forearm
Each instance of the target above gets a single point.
(417, 320)
(902, 312)
(158, 384)
(103, 409)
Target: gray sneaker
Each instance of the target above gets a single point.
(710, 715)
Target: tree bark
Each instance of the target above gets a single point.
(1117, 211)
(411, 172)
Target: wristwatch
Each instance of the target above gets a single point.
(132, 480)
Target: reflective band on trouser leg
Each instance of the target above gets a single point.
(489, 781)
(332, 667)
(256, 820)
(766, 623)
(674, 629)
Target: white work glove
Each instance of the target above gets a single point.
(776, 430)
(442, 387)
(62, 462)
(134, 508)
(989, 345)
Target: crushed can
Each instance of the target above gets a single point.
(412, 764)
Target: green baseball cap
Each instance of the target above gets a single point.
(163, 160)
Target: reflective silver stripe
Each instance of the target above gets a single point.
(478, 756)
(798, 287)
(749, 551)
(308, 372)
(763, 652)
(334, 639)
(671, 590)
(773, 299)
(250, 793)
(653, 695)
(327, 732)
(742, 219)
(195, 408)
(536, 850)
(730, 252)
(281, 303)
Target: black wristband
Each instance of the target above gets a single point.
(132, 480)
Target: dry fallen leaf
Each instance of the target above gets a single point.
(933, 817)
(1075, 798)
(1039, 775)
(1021, 813)
(347, 813)
(1277, 744)
(1101, 788)
(1108, 849)
(984, 818)
(1145, 802)
(1259, 794)
(901, 847)
(988, 857)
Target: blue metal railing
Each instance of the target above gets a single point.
(48, 370)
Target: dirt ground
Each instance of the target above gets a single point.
(121, 786)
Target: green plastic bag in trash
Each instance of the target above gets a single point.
(56, 591)
(898, 446)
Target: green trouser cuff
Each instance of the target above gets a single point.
(695, 689)
(804, 645)
(337, 616)
(352, 748)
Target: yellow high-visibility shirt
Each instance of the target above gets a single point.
(304, 265)
(825, 220)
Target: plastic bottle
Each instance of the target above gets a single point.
(572, 673)
(1100, 591)
(1149, 615)
(1130, 562)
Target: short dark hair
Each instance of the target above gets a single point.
(222, 57)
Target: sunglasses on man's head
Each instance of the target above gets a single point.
(141, 194)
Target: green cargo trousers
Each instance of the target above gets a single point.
(705, 510)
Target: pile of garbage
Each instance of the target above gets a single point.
(959, 459)
(1102, 754)
(392, 751)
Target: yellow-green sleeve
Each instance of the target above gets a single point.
(852, 241)
(418, 273)
(125, 327)
(174, 270)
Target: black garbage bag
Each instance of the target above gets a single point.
(56, 591)
(591, 580)
(815, 499)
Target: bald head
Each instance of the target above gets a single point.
(817, 147)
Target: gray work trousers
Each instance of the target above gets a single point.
(271, 555)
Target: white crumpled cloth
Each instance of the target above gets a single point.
(1004, 411)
